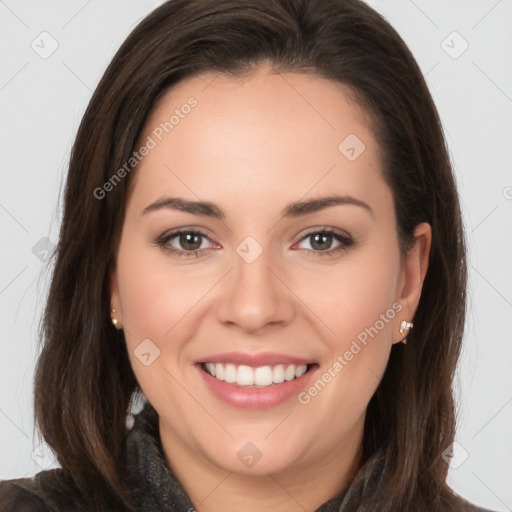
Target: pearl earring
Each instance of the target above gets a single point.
(114, 320)
(405, 327)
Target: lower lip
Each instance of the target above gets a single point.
(245, 397)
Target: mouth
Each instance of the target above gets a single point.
(241, 375)
(255, 381)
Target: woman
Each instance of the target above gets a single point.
(262, 238)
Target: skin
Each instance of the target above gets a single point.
(252, 146)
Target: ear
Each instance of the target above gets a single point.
(412, 276)
(116, 312)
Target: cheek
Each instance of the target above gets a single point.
(156, 301)
(355, 296)
(356, 302)
(154, 296)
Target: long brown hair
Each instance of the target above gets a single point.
(84, 381)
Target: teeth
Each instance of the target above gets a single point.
(289, 373)
(300, 370)
(245, 376)
(278, 374)
(261, 376)
(219, 371)
(230, 373)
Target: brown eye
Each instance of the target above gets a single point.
(185, 243)
(190, 241)
(321, 242)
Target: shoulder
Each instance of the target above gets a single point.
(47, 491)
(21, 495)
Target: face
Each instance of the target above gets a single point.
(266, 280)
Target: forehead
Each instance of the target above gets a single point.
(265, 135)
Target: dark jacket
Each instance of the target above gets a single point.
(154, 487)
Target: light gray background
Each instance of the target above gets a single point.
(42, 101)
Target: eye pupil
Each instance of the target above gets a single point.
(323, 237)
(186, 239)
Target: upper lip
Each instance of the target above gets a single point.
(254, 360)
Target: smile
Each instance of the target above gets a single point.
(258, 377)
(255, 381)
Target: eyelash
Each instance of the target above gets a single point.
(345, 243)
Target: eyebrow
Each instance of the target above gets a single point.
(293, 210)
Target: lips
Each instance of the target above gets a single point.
(255, 381)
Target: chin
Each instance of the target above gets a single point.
(254, 459)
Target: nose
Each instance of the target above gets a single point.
(254, 296)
